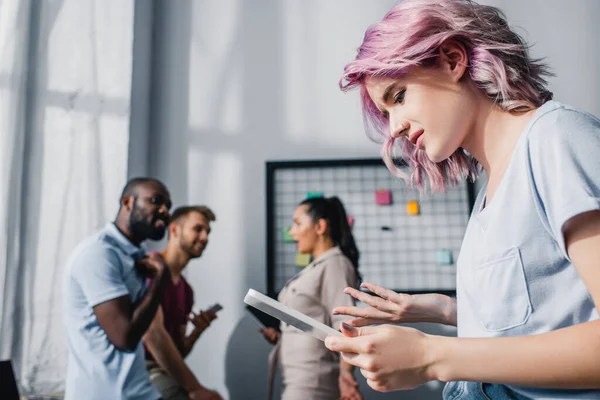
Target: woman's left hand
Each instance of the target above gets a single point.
(390, 357)
(348, 387)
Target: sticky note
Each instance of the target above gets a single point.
(350, 221)
(383, 197)
(312, 195)
(286, 235)
(302, 259)
(412, 208)
(443, 257)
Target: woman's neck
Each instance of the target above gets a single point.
(322, 246)
(494, 135)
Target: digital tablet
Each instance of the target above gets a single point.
(264, 319)
(289, 315)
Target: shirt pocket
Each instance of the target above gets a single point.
(498, 293)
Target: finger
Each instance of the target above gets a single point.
(205, 317)
(359, 322)
(360, 344)
(369, 375)
(364, 312)
(378, 385)
(382, 292)
(342, 344)
(211, 315)
(362, 361)
(373, 301)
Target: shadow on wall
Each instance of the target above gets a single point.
(251, 380)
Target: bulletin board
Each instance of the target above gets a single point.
(407, 241)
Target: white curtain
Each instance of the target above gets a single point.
(65, 86)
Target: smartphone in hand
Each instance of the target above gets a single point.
(214, 308)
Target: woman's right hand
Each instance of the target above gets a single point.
(270, 334)
(392, 307)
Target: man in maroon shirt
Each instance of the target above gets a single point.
(188, 236)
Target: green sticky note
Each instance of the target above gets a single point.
(302, 259)
(443, 257)
(286, 235)
(312, 195)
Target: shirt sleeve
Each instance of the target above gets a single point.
(564, 153)
(98, 273)
(338, 274)
(189, 301)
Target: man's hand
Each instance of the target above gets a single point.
(204, 394)
(202, 321)
(152, 265)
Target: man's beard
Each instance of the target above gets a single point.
(141, 228)
(189, 249)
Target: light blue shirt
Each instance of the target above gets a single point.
(102, 268)
(514, 276)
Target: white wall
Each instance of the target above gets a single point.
(65, 78)
(237, 83)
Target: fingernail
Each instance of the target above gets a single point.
(346, 326)
(336, 313)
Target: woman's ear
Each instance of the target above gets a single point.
(321, 227)
(453, 59)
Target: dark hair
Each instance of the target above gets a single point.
(332, 210)
(184, 211)
(131, 186)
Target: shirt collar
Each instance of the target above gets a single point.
(123, 243)
(332, 252)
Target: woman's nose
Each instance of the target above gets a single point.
(399, 128)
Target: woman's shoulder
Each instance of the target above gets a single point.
(336, 262)
(555, 122)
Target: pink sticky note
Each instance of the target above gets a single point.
(350, 221)
(383, 197)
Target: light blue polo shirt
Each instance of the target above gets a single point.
(514, 276)
(102, 268)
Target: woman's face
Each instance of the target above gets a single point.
(304, 230)
(430, 106)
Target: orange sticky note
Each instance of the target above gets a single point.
(412, 208)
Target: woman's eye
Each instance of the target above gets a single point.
(399, 98)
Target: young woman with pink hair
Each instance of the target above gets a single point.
(452, 88)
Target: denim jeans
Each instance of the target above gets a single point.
(479, 391)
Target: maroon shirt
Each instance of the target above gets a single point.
(176, 305)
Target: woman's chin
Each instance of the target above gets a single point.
(437, 156)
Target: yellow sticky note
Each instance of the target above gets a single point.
(412, 208)
(302, 259)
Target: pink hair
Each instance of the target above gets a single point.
(410, 35)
